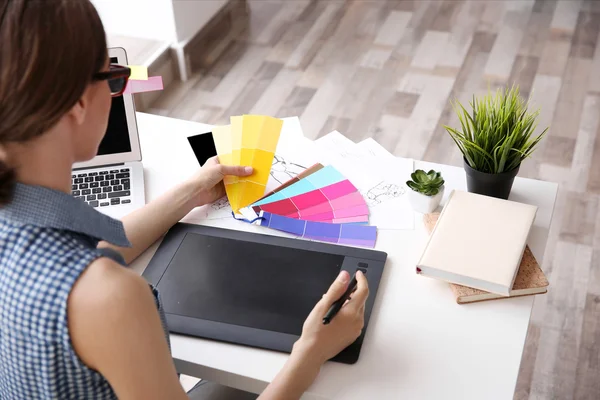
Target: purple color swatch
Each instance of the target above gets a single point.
(351, 234)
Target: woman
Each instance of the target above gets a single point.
(74, 323)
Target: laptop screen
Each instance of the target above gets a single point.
(116, 139)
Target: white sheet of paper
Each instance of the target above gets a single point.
(374, 148)
(381, 180)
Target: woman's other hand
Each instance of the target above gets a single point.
(321, 342)
(209, 180)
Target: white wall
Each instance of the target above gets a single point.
(192, 15)
(150, 19)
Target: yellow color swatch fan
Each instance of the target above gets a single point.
(250, 140)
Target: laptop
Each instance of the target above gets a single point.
(113, 181)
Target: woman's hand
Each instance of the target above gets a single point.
(321, 342)
(208, 182)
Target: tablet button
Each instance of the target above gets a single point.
(363, 265)
(363, 270)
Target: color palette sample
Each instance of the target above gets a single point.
(302, 175)
(351, 200)
(319, 201)
(222, 139)
(152, 84)
(321, 178)
(250, 140)
(350, 234)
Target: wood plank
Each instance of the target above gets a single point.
(295, 33)
(356, 94)
(584, 147)
(441, 147)
(594, 278)
(588, 366)
(492, 17)
(277, 92)
(233, 83)
(217, 71)
(306, 48)
(558, 151)
(296, 102)
(339, 48)
(555, 57)
(376, 58)
(253, 91)
(388, 37)
(594, 85)
(507, 45)
(538, 29)
(590, 5)
(594, 178)
(263, 13)
(401, 104)
(277, 25)
(570, 100)
(393, 28)
(462, 34)
(374, 102)
(335, 124)
(173, 95)
(523, 73)
(544, 96)
(586, 35)
(561, 329)
(389, 130)
(431, 48)
(191, 103)
(445, 18)
(579, 218)
(549, 262)
(372, 19)
(426, 114)
(316, 113)
(565, 16)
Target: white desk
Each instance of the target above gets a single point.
(420, 344)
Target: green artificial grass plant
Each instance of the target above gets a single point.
(498, 134)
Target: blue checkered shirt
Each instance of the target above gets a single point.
(47, 239)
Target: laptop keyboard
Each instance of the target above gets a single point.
(103, 188)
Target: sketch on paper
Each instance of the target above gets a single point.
(383, 192)
(283, 170)
(220, 204)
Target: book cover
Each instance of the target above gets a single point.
(530, 278)
(478, 242)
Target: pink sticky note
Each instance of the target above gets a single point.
(152, 84)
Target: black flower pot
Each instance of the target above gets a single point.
(493, 185)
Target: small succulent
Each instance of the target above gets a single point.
(427, 183)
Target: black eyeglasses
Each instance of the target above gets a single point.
(117, 78)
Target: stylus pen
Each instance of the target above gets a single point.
(337, 306)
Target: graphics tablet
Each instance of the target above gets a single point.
(252, 289)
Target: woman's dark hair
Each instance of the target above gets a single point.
(49, 51)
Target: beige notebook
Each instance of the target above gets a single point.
(478, 242)
(530, 278)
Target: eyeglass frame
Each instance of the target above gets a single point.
(117, 71)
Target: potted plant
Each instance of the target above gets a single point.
(427, 190)
(497, 135)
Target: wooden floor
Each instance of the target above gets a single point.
(386, 69)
